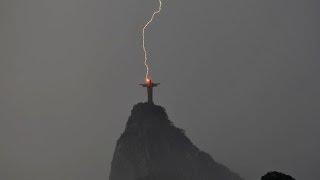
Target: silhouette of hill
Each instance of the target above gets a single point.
(152, 148)
(276, 176)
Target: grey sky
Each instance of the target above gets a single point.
(241, 77)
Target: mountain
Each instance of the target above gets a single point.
(152, 148)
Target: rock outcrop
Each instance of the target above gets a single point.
(152, 148)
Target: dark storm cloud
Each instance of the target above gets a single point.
(240, 76)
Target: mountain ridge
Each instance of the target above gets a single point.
(152, 148)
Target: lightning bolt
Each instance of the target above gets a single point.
(143, 39)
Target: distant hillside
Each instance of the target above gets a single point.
(276, 176)
(152, 148)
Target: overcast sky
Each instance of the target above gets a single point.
(241, 77)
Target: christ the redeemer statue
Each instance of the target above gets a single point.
(149, 85)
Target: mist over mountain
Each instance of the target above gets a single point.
(151, 147)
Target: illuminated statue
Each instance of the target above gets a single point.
(149, 85)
